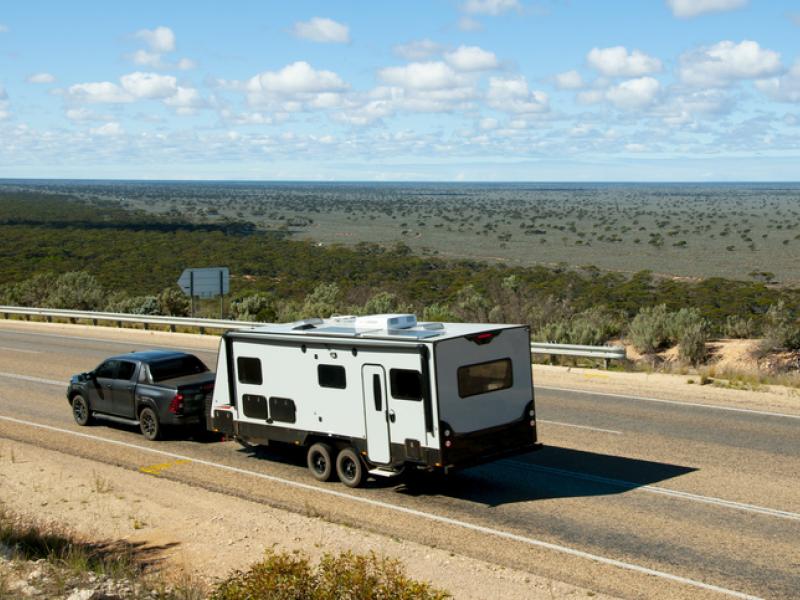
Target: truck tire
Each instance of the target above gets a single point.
(350, 468)
(149, 425)
(320, 461)
(80, 410)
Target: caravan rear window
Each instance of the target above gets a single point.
(249, 370)
(406, 384)
(484, 377)
(332, 376)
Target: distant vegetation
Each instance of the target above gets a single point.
(59, 251)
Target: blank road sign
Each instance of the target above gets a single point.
(205, 283)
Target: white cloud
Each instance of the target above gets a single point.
(569, 80)
(423, 76)
(160, 40)
(4, 28)
(490, 7)
(298, 77)
(322, 30)
(634, 93)
(99, 92)
(149, 85)
(687, 9)
(488, 123)
(618, 62)
(41, 78)
(185, 100)
(4, 104)
(591, 96)
(185, 64)
(112, 129)
(469, 24)
(726, 61)
(417, 49)
(472, 58)
(785, 88)
(634, 147)
(512, 95)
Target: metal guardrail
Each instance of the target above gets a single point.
(605, 353)
(119, 318)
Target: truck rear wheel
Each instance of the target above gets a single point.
(149, 425)
(320, 461)
(350, 468)
(80, 410)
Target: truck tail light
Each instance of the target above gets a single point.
(176, 406)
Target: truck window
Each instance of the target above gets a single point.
(249, 370)
(172, 368)
(332, 376)
(484, 377)
(125, 370)
(106, 369)
(406, 384)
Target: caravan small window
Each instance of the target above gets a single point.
(485, 377)
(406, 384)
(249, 370)
(332, 376)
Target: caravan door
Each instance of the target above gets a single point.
(373, 379)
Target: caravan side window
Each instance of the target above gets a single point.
(406, 384)
(249, 370)
(332, 376)
(485, 377)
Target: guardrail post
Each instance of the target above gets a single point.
(605, 364)
(27, 317)
(202, 331)
(172, 328)
(146, 326)
(5, 315)
(94, 322)
(119, 324)
(49, 319)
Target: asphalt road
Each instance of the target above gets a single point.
(629, 497)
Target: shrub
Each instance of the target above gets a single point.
(138, 305)
(438, 312)
(781, 329)
(692, 342)
(258, 307)
(471, 305)
(77, 290)
(322, 302)
(383, 303)
(283, 576)
(740, 327)
(650, 329)
(173, 302)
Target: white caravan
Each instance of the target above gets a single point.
(378, 394)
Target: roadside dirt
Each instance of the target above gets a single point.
(206, 534)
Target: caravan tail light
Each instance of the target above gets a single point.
(483, 338)
(176, 406)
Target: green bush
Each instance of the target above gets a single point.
(258, 307)
(592, 327)
(323, 302)
(76, 290)
(740, 327)
(650, 329)
(781, 329)
(173, 303)
(283, 576)
(137, 305)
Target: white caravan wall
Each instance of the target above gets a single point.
(493, 408)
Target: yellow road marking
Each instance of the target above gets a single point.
(156, 469)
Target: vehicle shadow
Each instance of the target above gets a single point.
(552, 472)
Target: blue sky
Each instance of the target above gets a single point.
(553, 90)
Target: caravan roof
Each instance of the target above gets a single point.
(378, 327)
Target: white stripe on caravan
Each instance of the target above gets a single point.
(661, 400)
(408, 511)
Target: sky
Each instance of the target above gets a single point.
(442, 90)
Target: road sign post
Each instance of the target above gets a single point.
(206, 283)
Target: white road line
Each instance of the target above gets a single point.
(109, 341)
(19, 350)
(35, 379)
(615, 432)
(661, 400)
(408, 511)
(653, 489)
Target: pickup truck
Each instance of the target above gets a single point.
(149, 389)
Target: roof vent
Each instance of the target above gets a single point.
(385, 322)
(307, 323)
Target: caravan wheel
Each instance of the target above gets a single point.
(320, 461)
(349, 468)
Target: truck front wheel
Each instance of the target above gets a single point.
(148, 423)
(350, 468)
(80, 410)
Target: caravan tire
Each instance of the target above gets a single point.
(320, 461)
(349, 468)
